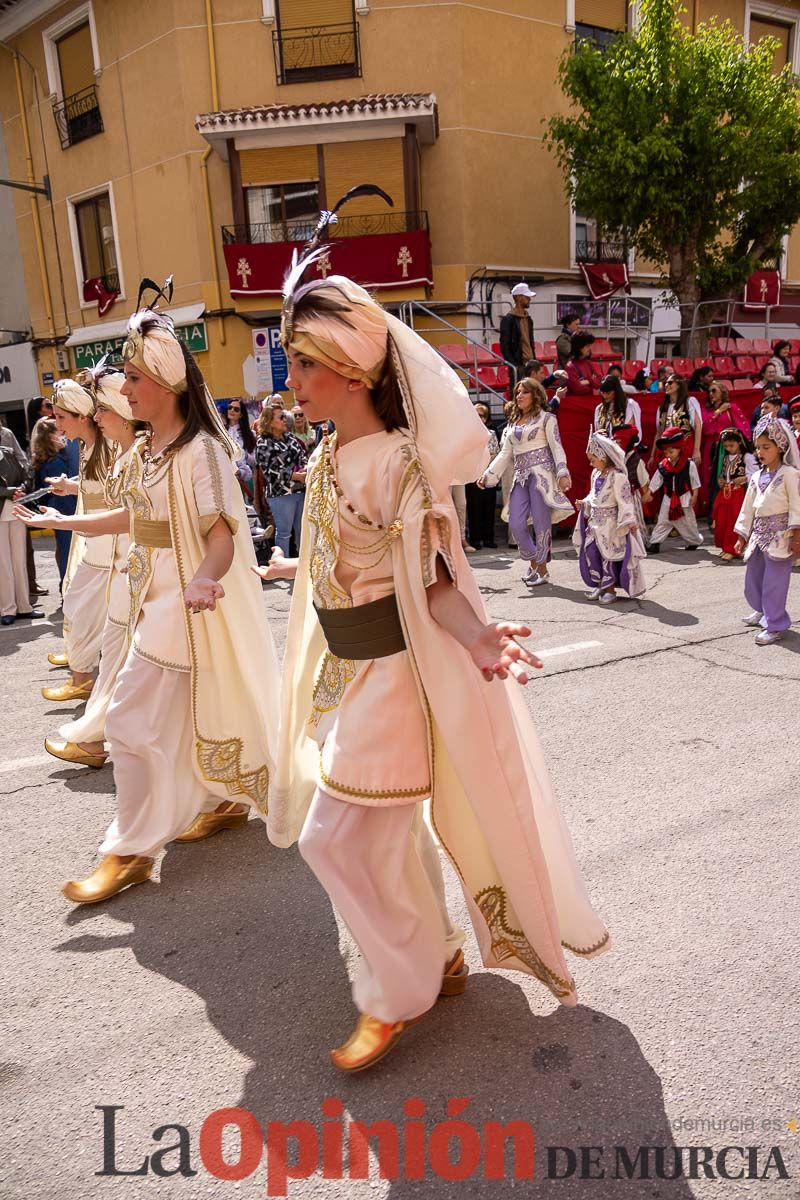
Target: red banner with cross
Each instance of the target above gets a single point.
(383, 261)
(603, 279)
(762, 290)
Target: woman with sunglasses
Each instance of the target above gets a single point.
(719, 413)
(237, 427)
(282, 459)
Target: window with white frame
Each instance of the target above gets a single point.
(71, 52)
(782, 24)
(93, 229)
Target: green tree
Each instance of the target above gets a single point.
(687, 147)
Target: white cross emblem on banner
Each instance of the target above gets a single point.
(403, 259)
(243, 270)
(324, 264)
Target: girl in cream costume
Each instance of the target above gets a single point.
(85, 603)
(82, 741)
(193, 715)
(374, 722)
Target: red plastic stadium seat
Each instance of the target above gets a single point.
(456, 353)
(538, 351)
(549, 350)
(746, 365)
(684, 366)
(727, 345)
(631, 369)
(603, 349)
(655, 363)
(745, 346)
(724, 365)
(703, 362)
(794, 363)
(502, 377)
(714, 346)
(726, 383)
(487, 377)
(795, 345)
(762, 346)
(742, 384)
(761, 360)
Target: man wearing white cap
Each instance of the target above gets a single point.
(516, 328)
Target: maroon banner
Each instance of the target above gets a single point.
(381, 260)
(95, 289)
(762, 290)
(603, 279)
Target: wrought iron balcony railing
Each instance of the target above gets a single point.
(78, 117)
(300, 230)
(590, 251)
(317, 52)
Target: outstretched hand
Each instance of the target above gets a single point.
(58, 484)
(496, 652)
(46, 518)
(279, 567)
(202, 594)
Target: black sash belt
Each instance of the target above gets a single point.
(366, 631)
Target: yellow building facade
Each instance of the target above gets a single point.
(198, 138)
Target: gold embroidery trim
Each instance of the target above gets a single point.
(208, 522)
(332, 678)
(214, 472)
(140, 558)
(159, 662)
(587, 949)
(512, 943)
(219, 759)
(368, 794)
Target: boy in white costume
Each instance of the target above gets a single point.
(677, 474)
(388, 654)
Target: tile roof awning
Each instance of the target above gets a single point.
(361, 118)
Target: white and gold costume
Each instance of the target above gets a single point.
(194, 712)
(86, 580)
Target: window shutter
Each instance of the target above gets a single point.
(604, 14)
(762, 27)
(296, 14)
(380, 162)
(75, 60)
(282, 164)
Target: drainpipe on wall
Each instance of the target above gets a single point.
(212, 65)
(37, 225)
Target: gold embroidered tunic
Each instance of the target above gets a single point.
(368, 716)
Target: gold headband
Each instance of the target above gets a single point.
(329, 354)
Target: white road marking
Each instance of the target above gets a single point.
(571, 648)
(19, 764)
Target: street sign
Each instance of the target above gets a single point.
(271, 365)
(48, 378)
(88, 353)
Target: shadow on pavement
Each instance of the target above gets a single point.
(248, 929)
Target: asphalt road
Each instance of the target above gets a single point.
(672, 741)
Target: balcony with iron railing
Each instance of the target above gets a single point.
(600, 251)
(78, 117)
(317, 52)
(300, 229)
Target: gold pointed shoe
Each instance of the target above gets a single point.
(370, 1041)
(69, 691)
(207, 824)
(72, 753)
(454, 978)
(110, 876)
(58, 660)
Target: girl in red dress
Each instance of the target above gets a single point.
(734, 466)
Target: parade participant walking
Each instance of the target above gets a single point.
(85, 583)
(607, 537)
(193, 717)
(541, 478)
(382, 580)
(627, 437)
(769, 529)
(678, 475)
(82, 741)
(735, 466)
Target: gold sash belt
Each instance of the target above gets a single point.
(366, 631)
(151, 533)
(93, 502)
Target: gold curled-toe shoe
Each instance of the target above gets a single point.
(370, 1041)
(69, 691)
(454, 978)
(109, 877)
(58, 660)
(72, 753)
(207, 824)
